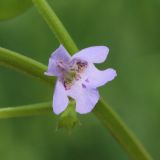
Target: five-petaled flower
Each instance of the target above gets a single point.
(78, 78)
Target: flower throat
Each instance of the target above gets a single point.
(72, 72)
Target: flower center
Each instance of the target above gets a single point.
(73, 72)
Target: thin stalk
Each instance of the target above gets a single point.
(103, 112)
(26, 110)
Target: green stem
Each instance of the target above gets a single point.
(26, 110)
(22, 63)
(56, 25)
(120, 131)
(102, 111)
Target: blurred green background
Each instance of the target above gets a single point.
(131, 29)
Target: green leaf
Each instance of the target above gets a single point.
(13, 8)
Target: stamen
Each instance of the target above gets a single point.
(72, 72)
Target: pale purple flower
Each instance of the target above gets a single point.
(78, 78)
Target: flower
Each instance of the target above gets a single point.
(78, 77)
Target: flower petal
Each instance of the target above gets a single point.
(95, 54)
(97, 78)
(86, 98)
(59, 54)
(60, 99)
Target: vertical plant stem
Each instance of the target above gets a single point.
(56, 25)
(103, 112)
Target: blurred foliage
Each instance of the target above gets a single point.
(131, 30)
(12, 8)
